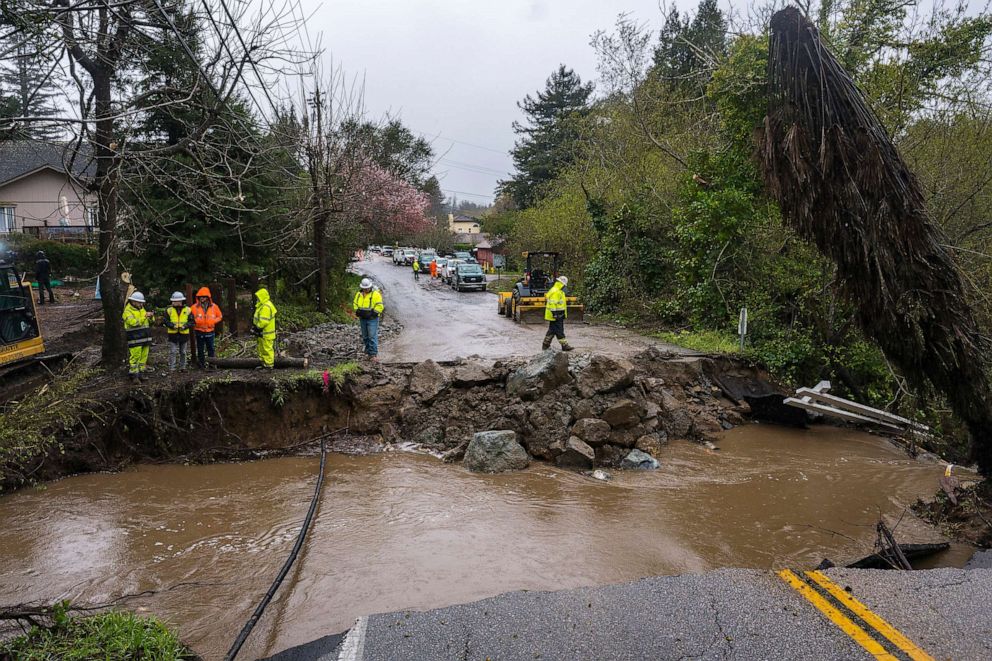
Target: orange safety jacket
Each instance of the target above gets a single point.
(205, 319)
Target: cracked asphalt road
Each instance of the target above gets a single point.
(727, 614)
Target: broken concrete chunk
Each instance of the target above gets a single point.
(605, 375)
(495, 452)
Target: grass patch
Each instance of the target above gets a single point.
(28, 427)
(313, 378)
(705, 341)
(505, 283)
(114, 635)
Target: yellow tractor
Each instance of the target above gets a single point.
(525, 302)
(20, 332)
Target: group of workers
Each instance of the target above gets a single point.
(368, 307)
(202, 318)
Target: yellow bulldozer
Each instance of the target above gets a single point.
(525, 302)
(20, 332)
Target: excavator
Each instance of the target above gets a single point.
(20, 332)
(525, 302)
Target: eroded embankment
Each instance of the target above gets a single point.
(610, 405)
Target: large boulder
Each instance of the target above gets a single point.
(593, 431)
(610, 455)
(542, 374)
(473, 373)
(625, 413)
(605, 375)
(495, 452)
(637, 460)
(547, 424)
(427, 381)
(577, 454)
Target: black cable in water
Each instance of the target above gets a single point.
(250, 624)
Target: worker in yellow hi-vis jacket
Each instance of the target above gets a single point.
(264, 327)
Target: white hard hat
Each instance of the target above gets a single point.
(177, 296)
(137, 297)
(563, 280)
(365, 283)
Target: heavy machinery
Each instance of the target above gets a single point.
(20, 332)
(525, 302)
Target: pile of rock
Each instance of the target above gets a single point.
(580, 412)
(334, 341)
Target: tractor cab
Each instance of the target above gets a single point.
(20, 333)
(525, 303)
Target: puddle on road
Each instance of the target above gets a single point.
(397, 531)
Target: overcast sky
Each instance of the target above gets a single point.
(454, 70)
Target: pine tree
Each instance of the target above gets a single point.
(687, 48)
(30, 86)
(546, 142)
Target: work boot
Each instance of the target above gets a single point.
(565, 346)
(547, 343)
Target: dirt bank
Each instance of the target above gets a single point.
(612, 405)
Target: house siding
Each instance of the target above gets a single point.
(36, 200)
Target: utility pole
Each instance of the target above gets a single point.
(320, 189)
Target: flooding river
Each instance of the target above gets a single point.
(401, 530)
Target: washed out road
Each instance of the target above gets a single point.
(442, 324)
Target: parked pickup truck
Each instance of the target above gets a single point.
(469, 276)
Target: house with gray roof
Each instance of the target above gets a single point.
(43, 190)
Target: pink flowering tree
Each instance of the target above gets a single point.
(384, 204)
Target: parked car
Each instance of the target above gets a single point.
(463, 255)
(441, 263)
(387, 251)
(449, 270)
(469, 276)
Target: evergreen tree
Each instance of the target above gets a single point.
(545, 145)
(29, 85)
(687, 49)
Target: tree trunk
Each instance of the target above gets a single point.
(319, 245)
(106, 184)
(249, 363)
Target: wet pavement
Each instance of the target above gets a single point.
(403, 531)
(442, 324)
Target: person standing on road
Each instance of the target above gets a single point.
(178, 321)
(433, 269)
(264, 328)
(368, 308)
(555, 311)
(138, 335)
(416, 269)
(206, 316)
(43, 274)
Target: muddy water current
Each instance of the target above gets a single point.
(401, 530)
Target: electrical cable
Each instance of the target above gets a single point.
(297, 547)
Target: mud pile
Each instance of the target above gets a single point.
(334, 341)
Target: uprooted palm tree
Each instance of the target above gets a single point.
(839, 181)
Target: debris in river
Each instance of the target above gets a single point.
(637, 460)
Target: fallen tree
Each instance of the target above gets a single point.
(840, 182)
(249, 363)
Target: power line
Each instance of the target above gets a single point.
(461, 192)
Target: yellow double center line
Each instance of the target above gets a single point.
(846, 624)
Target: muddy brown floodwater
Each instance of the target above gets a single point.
(401, 530)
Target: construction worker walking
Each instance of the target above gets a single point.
(138, 335)
(555, 312)
(206, 316)
(178, 321)
(368, 308)
(416, 269)
(264, 327)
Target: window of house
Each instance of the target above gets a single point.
(6, 219)
(92, 218)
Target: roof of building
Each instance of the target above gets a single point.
(22, 157)
(471, 239)
(462, 218)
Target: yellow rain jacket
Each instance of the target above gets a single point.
(265, 321)
(555, 299)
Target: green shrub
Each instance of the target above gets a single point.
(68, 259)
